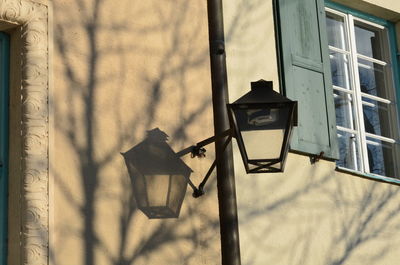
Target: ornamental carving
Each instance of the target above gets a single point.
(33, 19)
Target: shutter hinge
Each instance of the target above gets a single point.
(316, 158)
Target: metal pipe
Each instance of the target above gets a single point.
(230, 250)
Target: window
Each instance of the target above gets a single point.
(4, 66)
(364, 94)
(341, 66)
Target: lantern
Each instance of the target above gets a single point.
(262, 121)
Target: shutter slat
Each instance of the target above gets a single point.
(307, 63)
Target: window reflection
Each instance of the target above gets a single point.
(348, 150)
(381, 157)
(336, 31)
(340, 69)
(376, 117)
(368, 40)
(344, 109)
(372, 78)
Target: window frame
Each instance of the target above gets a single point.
(4, 103)
(394, 60)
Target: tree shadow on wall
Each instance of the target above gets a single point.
(86, 45)
(81, 128)
(104, 50)
(321, 219)
(81, 45)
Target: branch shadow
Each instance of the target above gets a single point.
(94, 75)
(319, 216)
(117, 76)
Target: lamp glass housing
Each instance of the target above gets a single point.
(262, 121)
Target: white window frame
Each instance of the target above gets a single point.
(354, 89)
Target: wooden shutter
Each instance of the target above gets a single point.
(305, 74)
(4, 68)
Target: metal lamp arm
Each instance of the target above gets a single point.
(195, 149)
(198, 150)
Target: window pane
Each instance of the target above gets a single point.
(344, 109)
(348, 150)
(336, 31)
(369, 40)
(372, 78)
(340, 69)
(381, 157)
(376, 117)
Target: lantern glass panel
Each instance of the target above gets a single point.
(262, 131)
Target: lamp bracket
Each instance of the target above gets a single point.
(199, 146)
(198, 150)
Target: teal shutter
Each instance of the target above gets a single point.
(305, 74)
(4, 68)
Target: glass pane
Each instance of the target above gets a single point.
(376, 117)
(340, 69)
(369, 40)
(262, 131)
(372, 78)
(344, 109)
(263, 144)
(381, 158)
(336, 31)
(348, 151)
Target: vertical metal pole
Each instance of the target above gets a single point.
(229, 230)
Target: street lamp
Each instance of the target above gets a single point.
(262, 121)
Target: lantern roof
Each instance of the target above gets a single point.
(261, 93)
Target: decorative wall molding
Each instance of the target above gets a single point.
(32, 17)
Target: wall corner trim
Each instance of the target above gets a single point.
(32, 18)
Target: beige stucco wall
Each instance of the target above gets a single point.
(313, 215)
(387, 9)
(122, 68)
(310, 214)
